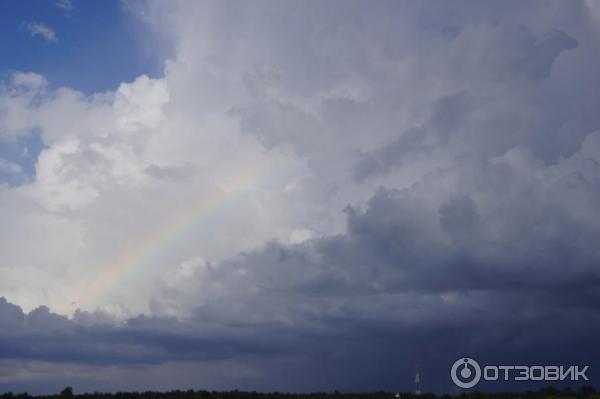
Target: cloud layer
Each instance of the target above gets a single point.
(313, 196)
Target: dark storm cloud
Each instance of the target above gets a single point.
(422, 275)
(43, 335)
(495, 258)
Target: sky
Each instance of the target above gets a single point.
(296, 196)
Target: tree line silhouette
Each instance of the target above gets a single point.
(585, 392)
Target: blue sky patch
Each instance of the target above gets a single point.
(90, 46)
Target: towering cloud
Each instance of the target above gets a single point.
(313, 196)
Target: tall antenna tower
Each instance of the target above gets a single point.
(417, 382)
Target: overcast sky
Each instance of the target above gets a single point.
(296, 195)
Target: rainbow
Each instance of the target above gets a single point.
(140, 254)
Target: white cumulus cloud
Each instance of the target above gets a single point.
(39, 28)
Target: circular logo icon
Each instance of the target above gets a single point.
(465, 372)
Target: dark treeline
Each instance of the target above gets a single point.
(585, 392)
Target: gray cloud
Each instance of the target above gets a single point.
(420, 275)
(461, 141)
(174, 172)
(428, 273)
